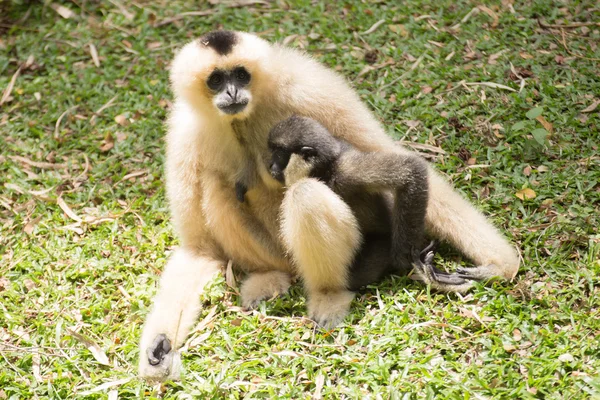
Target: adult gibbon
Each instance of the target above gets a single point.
(230, 89)
(387, 196)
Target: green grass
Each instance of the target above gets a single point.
(536, 337)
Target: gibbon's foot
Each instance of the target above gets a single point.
(328, 309)
(261, 286)
(160, 362)
(426, 271)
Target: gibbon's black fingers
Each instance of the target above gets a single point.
(159, 348)
(438, 280)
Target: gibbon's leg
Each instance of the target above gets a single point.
(260, 286)
(322, 235)
(451, 218)
(174, 312)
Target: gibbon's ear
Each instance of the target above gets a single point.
(307, 152)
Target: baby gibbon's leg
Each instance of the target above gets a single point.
(322, 235)
(174, 312)
(450, 217)
(260, 286)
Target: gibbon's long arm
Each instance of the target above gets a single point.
(407, 176)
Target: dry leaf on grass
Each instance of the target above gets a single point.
(108, 143)
(63, 11)
(65, 207)
(104, 386)
(229, 276)
(374, 27)
(121, 120)
(94, 54)
(526, 193)
(547, 125)
(96, 351)
(591, 107)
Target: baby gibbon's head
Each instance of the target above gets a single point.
(301, 147)
(221, 73)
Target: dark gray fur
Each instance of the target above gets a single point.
(221, 42)
(388, 193)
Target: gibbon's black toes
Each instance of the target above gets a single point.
(431, 247)
(158, 349)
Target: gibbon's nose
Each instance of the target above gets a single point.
(232, 92)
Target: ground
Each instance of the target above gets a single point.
(503, 98)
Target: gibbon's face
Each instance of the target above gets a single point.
(223, 73)
(229, 89)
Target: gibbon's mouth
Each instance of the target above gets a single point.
(234, 108)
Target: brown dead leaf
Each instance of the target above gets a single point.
(153, 45)
(28, 228)
(526, 193)
(412, 123)
(4, 283)
(399, 29)
(509, 348)
(37, 164)
(526, 56)
(426, 89)
(547, 125)
(70, 213)
(108, 143)
(229, 276)
(527, 171)
(63, 11)
(94, 54)
(121, 120)
(6, 95)
(591, 107)
(560, 60)
(236, 322)
(517, 335)
(491, 13)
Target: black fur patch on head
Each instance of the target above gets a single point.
(220, 41)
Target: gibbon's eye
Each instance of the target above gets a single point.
(307, 152)
(215, 80)
(242, 75)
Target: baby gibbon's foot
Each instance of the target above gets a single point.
(426, 271)
(261, 286)
(328, 309)
(160, 362)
